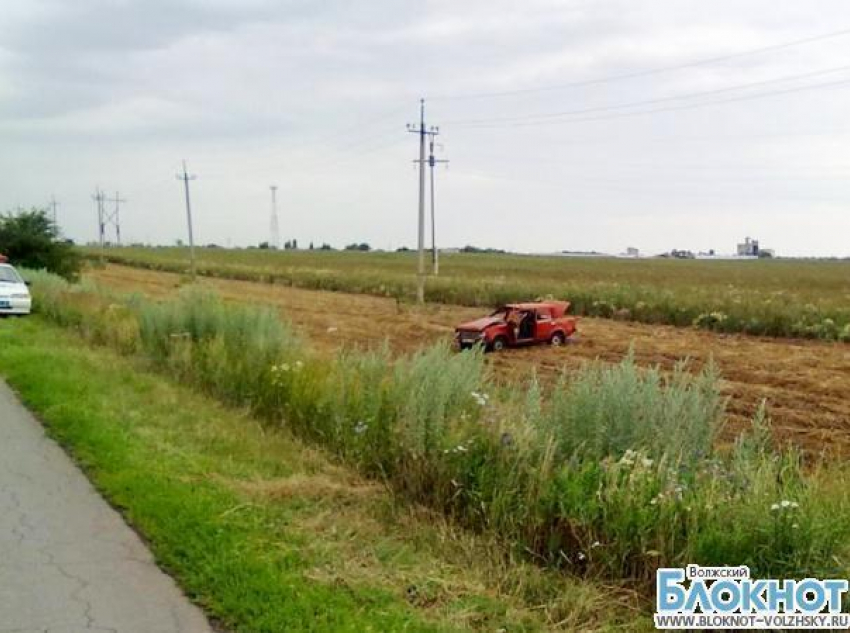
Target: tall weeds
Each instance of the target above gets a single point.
(612, 471)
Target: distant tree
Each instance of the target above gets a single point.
(294, 244)
(311, 246)
(31, 239)
(475, 249)
(363, 246)
(402, 249)
(326, 247)
(264, 246)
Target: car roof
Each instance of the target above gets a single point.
(535, 304)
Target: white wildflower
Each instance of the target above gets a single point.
(361, 428)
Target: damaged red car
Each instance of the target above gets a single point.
(518, 324)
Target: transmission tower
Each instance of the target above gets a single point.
(53, 204)
(275, 227)
(114, 217)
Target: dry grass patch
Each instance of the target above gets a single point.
(319, 486)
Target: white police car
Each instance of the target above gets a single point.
(14, 295)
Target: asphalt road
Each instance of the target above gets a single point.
(68, 562)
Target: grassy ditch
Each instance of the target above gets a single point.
(783, 298)
(611, 473)
(266, 533)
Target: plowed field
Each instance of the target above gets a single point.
(806, 384)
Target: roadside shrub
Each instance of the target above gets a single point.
(230, 350)
(31, 240)
(605, 410)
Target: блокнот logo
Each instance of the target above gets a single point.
(697, 597)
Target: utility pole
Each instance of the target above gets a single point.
(185, 177)
(98, 197)
(115, 217)
(435, 254)
(275, 228)
(422, 131)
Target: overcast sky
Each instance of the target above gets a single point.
(314, 97)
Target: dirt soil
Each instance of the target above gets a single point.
(806, 384)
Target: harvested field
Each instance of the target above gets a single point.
(805, 383)
(784, 298)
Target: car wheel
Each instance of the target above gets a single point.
(499, 343)
(557, 339)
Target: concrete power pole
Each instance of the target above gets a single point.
(275, 227)
(435, 253)
(98, 197)
(422, 131)
(185, 177)
(115, 217)
(432, 162)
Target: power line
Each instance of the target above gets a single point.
(353, 135)
(691, 106)
(631, 104)
(643, 73)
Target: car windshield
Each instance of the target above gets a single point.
(9, 275)
(501, 313)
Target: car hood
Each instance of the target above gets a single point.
(7, 289)
(481, 324)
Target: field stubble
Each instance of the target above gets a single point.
(805, 383)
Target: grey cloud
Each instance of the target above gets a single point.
(314, 95)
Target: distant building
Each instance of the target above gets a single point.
(677, 254)
(631, 251)
(749, 248)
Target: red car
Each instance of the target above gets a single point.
(518, 324)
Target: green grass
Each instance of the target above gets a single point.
(612, 472)
(798, 298)
(265, 533)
